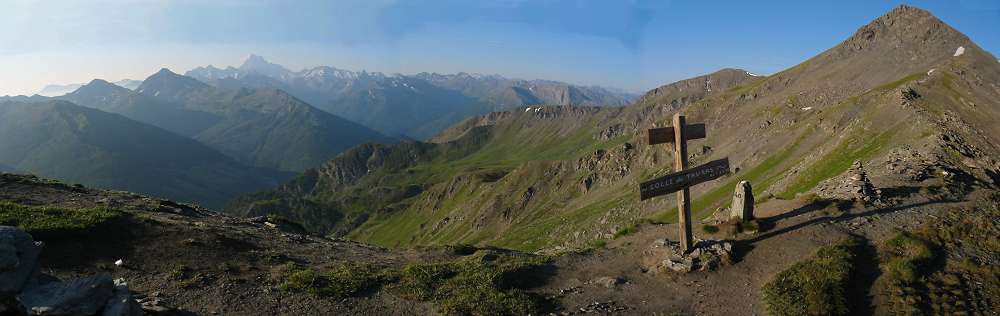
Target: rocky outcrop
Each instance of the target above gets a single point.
(18, 262)
(84, 296)
(121, 302)
(23, 291)
(742, 207)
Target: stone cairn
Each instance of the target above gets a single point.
(23, 291)
(666, 256)
(861, 186)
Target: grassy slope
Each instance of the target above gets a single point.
(785, 133)
(521, 146)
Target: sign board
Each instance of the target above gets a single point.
(666, 134)
(685, 178)
(681, 180)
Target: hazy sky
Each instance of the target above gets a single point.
(635, 45)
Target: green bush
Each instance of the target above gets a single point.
(816, 286)
(749, 226)
(710, 229)
(43, 221)
(906, 256)
(344, 281)
(485, 283)
(598, 243)
(628, 230)
(421, 281)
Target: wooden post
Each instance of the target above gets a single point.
(684, 195)
(682, 178)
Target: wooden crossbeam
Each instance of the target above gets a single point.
(666, 134)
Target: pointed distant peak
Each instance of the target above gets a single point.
(904, 10)
(167, 75)
(905, 34)
(98, 82)
(734, 71)
(258, 64)
(907, 23)
(908, 17)
(99, 86)
(256, 58)
(165, 71)
(168, 80)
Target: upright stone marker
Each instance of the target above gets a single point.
(681, 179)
(742, 207)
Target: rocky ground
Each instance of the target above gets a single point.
(182, 259)
(192, 260)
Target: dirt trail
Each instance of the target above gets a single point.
(791, 231)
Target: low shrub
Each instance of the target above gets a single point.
(343, 281)
(710, 229)
(817, 286)
(484, 283)
(906, 257)
(487, 283)
(52, 221)
(628, 230)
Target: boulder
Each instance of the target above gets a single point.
(84, 296)
(121, 302)
(8, 256)
(19, 253)
(682, 265)
(608, 282)
(742, 207)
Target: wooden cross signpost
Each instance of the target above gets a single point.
(682, 178)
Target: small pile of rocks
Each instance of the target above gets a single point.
(853, 185)
(604, 308)
(706, 255)
(24, 291)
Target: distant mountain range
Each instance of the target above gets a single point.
(6, 168)
(173, 136)
(262, 127)
(53, 90)
(76, 144)
(414, 106)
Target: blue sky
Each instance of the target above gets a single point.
(634, 45)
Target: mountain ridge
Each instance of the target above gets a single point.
(789, 133)
(257, 127)
(79, 144)
(412, 106)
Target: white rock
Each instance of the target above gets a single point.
(120, 263)
(960, 51)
